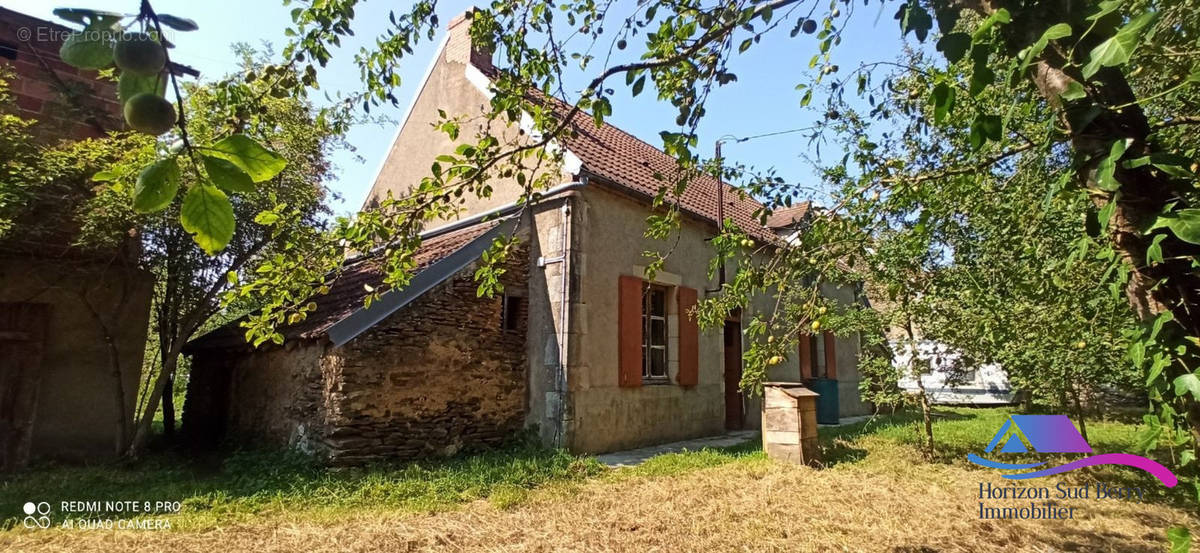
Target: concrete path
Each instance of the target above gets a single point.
(635, 457)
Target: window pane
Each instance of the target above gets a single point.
(645, 363)
(658, 362)
(818, 354)
(658, 302)
(658, 332)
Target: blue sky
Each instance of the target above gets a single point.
(763, 99)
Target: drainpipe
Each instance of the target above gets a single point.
(721, 202)
(561, 376)
(720, 212)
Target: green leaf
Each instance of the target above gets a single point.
(1156, 368)
(1106, 213)
(1187, 383)
(1106, 7)
(156, 186)
(104, 176)
(226, 175)
(914, 18)
(981, 77)
(266, 218)
(984, 128)
(1154, 250)
(89, 49)
(1073, 92)
(943, 101)
(1137, 353)
(1119, 48)
(998, 17)
(131, 85)
(1106, 171)
(249, 156)
(1185, 223)
(177, 23)
(638, 85)
(1055, 32)
(83, 15)
(208, 215)
(601, 108)
(954, 46)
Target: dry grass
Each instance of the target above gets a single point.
(890, 502)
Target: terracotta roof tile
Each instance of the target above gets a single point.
(785, 217)
(627, 161)
(347, 292)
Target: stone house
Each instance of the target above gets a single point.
(73, 321)
(580, 347)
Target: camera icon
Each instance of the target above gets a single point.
(36, 515)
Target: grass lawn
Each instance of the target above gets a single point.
(875, 493)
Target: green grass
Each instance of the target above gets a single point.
(958, 431)
(248, 485)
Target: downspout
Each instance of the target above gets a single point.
(720, 214)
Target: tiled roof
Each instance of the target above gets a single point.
(781, 218)
(347, 292)
(626, 161)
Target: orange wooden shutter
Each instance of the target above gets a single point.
(830, 356)
(689, 339)
(806, 364)
(629, 332)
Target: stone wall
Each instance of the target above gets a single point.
(437, 377)
(434, 378)
(271, 397)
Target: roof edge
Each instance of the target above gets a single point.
(364, 318)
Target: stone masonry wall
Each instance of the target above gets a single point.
(436, 377)
(272, 397)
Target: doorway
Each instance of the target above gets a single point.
(734, 409)
(22, 341)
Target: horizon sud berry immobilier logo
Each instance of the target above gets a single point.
(1056, 434)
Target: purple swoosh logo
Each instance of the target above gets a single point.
(1153, 467)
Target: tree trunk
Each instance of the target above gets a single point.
(913, 363)
(168, 409)
(142, 431)
(1079, 412)
(927, 417)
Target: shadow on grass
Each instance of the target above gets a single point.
(248, 482)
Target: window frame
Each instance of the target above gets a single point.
(648, 339)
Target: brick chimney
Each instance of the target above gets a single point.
(460, 48)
